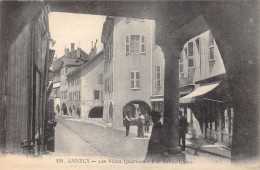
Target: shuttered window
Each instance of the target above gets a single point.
(142, 44)
(135, 80)
(158, 76)
(127, 44)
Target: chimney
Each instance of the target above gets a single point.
(72, 47)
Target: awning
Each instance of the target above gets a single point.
(190, 98)
(157, 98)
(56, 85)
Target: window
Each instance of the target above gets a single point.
(190, 55)
(70, 96)
(65, 70)
(142, 44)
(198, 45)
(135, 80)
(134, 43)
(108, 53)
(96, 95)
(112, 82)
(190, 49)
(158, 76)
(79, 96)
(211, 47)
(111, 50)
(211, 53)
(181, 63)
(127, 44)
(101, 95)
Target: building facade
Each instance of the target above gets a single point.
(201, 68)
(56, 69)
(92, 87)
(25, 87)
(204, 91)
(70, 61)
(127, 67)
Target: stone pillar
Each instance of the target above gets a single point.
(171, 49)
(243, 80)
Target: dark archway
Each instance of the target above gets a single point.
(134, 107)
(96, 112)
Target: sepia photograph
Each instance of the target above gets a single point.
(117, 84)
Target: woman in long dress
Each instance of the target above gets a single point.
(140, 129)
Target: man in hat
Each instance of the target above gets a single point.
(156, 148)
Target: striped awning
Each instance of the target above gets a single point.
(200, 91)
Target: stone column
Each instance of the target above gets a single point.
(171, 49)
(243, 80)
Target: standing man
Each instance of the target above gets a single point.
(127, 121)
(183, 129)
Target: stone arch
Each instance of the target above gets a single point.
(96, 112)
(134, 107)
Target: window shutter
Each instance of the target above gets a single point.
(112, 82)
(127, 44)
(158, 76)
(111, 50)
(101, 95)
(132, 79)
(137, 77)
(108, 53)
(142, 44)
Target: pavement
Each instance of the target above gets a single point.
(93, 137)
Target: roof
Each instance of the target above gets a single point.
(86, 64)
(72, 61)
(56, 64)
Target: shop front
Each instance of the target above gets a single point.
(211, 107)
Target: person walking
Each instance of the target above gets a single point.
(127, 121)
(140, 124)
(146, 122)
(183, 129)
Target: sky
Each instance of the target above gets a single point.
(81, 29)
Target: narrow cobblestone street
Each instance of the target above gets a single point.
(79, 138)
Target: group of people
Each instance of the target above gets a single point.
(157, 149)
(156, 146)
(142, 124)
